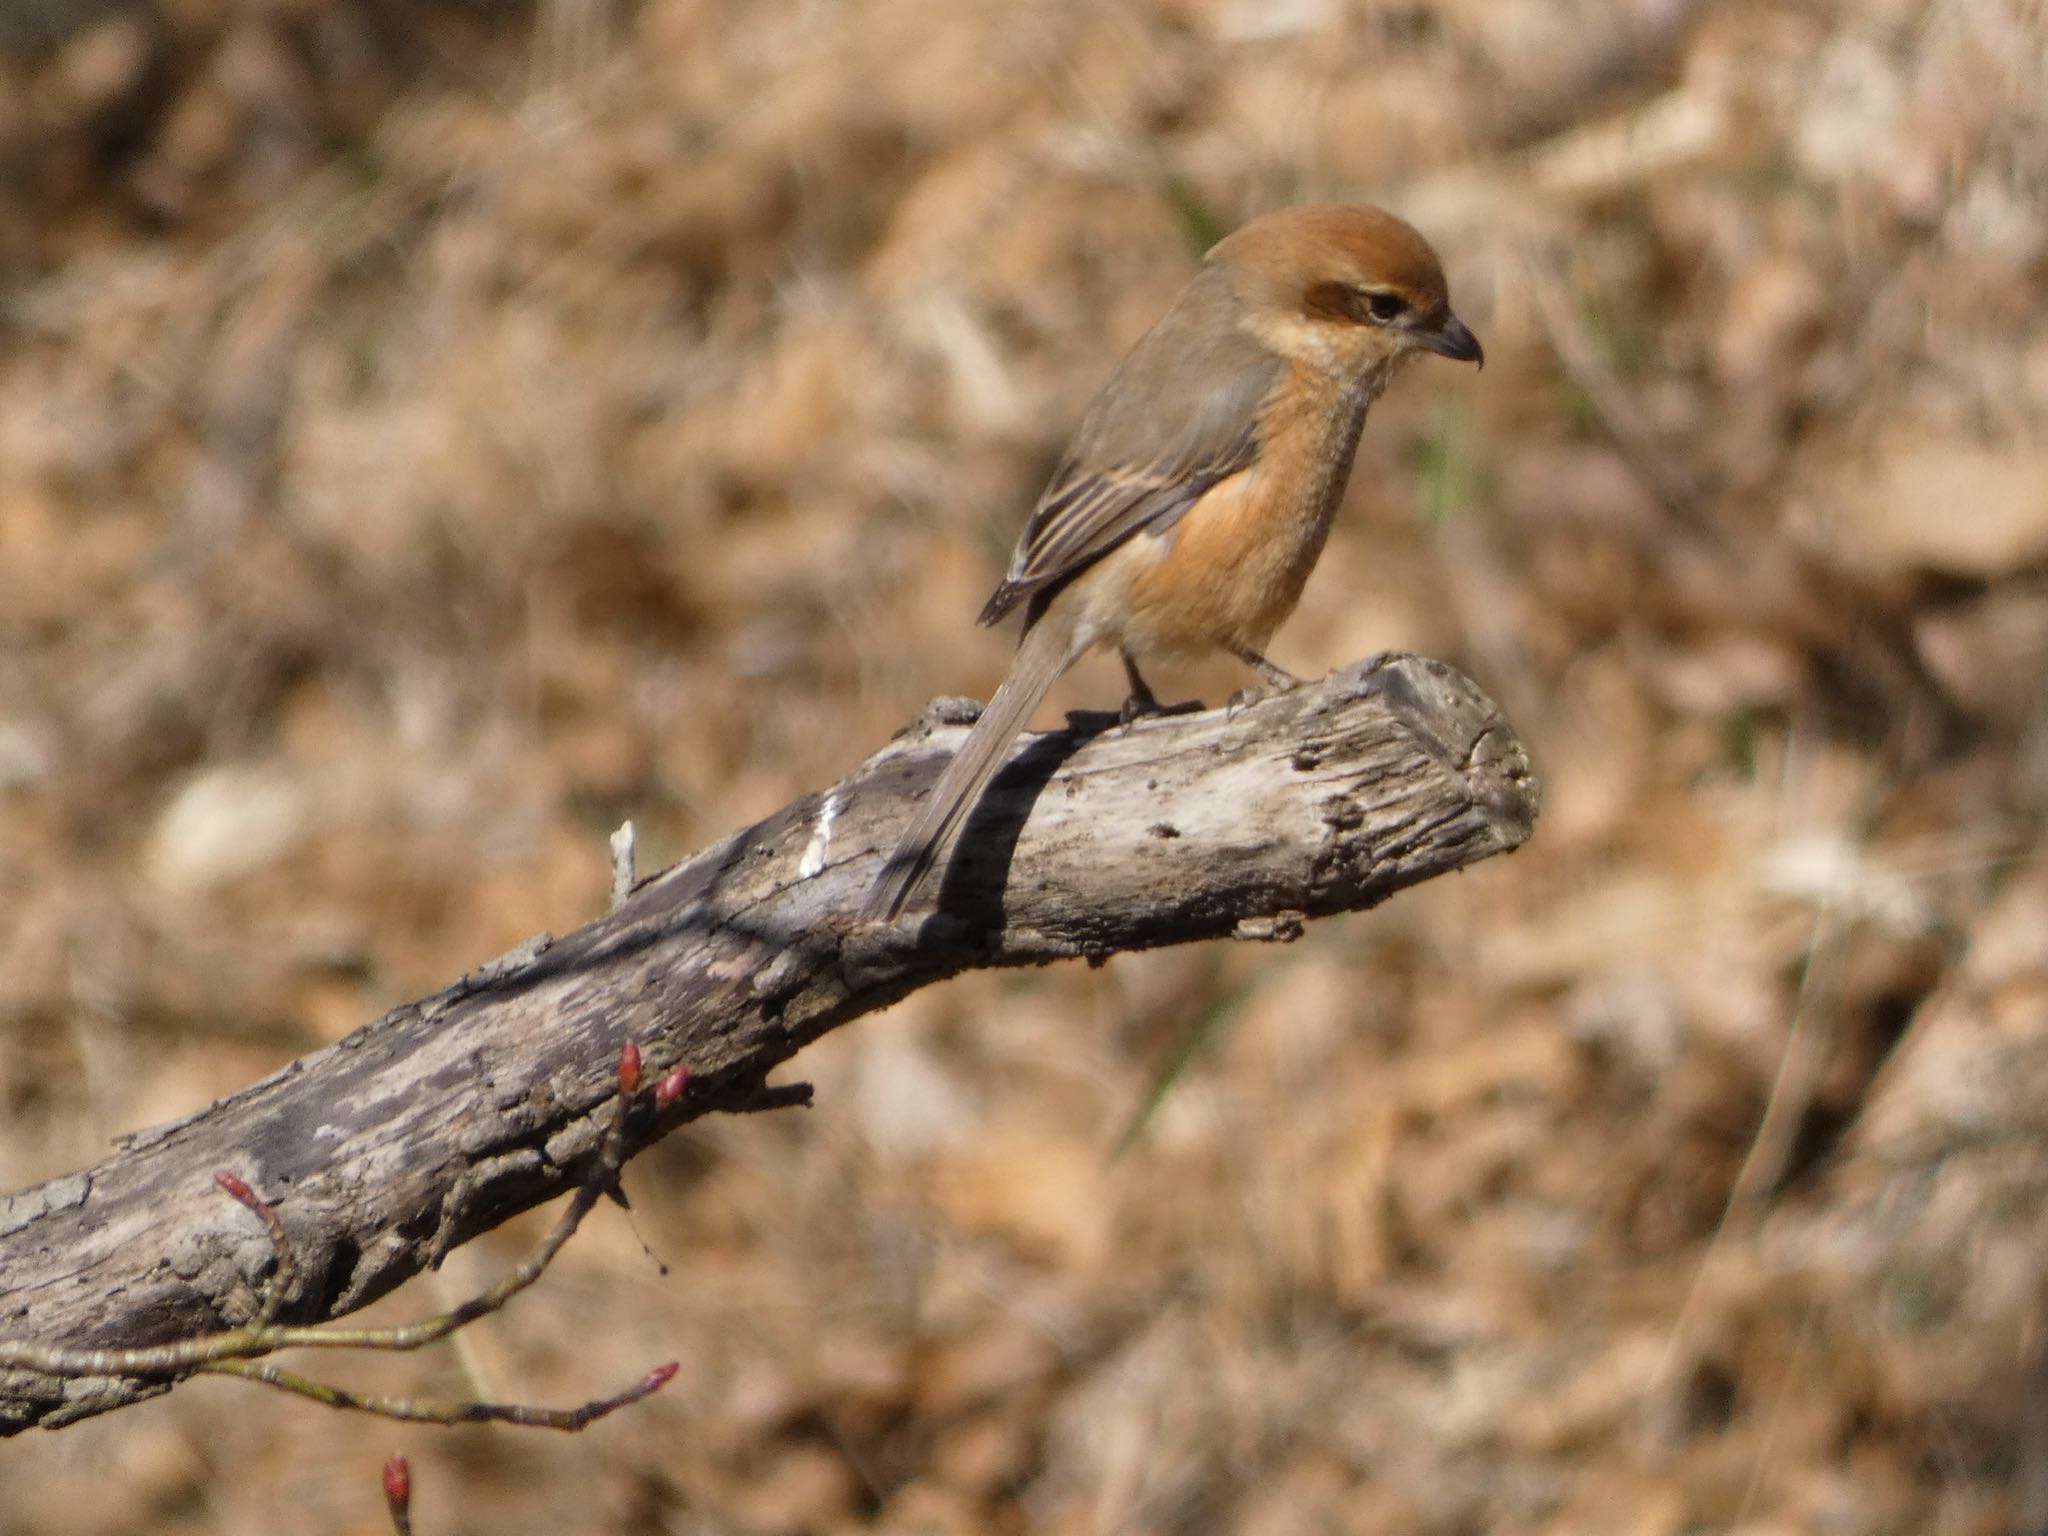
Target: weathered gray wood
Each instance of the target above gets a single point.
(449, 1114)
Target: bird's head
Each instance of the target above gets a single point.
(1343, 287)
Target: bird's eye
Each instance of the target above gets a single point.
(1385, 307)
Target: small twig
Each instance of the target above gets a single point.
(412, 1410)
(1670, 482)
(625, 852)
(1809, 1041)
(1785, 1109)
(240, 1351)
(285, 1279)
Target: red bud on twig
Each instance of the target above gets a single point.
(398, 1493)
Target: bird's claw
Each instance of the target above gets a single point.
(1136, 709)
(1276, 680)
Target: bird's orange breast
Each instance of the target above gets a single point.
(1236, 561)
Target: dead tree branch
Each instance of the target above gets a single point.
(446, 1116)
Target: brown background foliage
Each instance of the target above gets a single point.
(430, 434)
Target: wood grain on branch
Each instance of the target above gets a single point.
(450, 1114)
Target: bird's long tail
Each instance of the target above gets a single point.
(1047, 650)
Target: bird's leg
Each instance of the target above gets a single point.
(1142, 700)
(1279, 679)
(1276, 679)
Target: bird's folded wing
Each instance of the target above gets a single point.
(1180, 413)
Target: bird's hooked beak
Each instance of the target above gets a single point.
(1453, 340)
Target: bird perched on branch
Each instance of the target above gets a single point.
(1198, 492)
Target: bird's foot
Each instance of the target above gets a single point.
(1276, 679)
(1136, 708)
(1143, 701)
(1245, 698)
